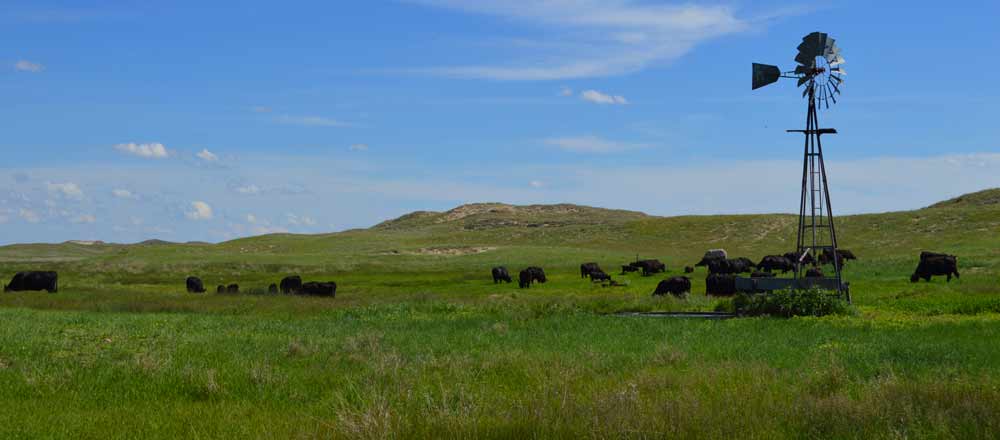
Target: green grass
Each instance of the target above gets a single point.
(420, 345)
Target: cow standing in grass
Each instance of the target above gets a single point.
(33, 281)
(677, 286)
(531, 275)
(599, 275)
(194, 285)
(587, 268)
(775, 263)
(935, 264)
(500, 275)
(718, 284)
(291, 284)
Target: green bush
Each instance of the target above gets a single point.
(788, 303)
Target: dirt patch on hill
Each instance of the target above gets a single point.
(442, 251)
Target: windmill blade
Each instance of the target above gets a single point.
(837, 79)
(839, 70)
(806, 59)
(836, 60)
(830, 45)
(804, 70)
(804, 80)
(835, 88)
(832, 95)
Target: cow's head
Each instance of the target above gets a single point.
(914, 278)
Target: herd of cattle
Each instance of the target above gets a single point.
(721, 279)
(291, 285)
(722, 270)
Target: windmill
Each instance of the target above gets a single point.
(819, 71)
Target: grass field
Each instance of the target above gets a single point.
(420, 343)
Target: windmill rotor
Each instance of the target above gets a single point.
(819, 69)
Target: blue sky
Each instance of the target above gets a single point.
(125, 121)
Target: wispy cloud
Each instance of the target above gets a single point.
(601, 98)
(123, 194)
(601, 37)
(207, 156)
(69, 190)
(84, 218)
(312, 121)
(591, 144)
(28, 66)
(149, 151)
(359, 147)
(29, 215)
(200, 211)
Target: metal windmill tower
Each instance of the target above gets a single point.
(820, 72)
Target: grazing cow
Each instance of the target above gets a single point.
(815, 272)
(30, 281)
(319, 289)
(720, 284)
(587, 268)
(291, 285)
(500, 275)
(599, 275)
(842, 255)
(794, 258)
(759, 274)
(712, 255)
(233, 288)
(627, 268)
(530, 275)
(649, 267)
(932, 264)
(731, 266)
(688, 269)
(676, 286)
(194, 285)
(272, 289)
(220, 289)
(776, 262)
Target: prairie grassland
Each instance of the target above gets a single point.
(421, 344)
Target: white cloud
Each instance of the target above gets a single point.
(123, 194)
(248, 189)
(29, 215)
(84, 218)
(150, 151)
(207, 156)
(536, 183)
(69, 190)
(566, 91)
(359, 147)
(28, 66)
(295, 220)
(312, 121)
(598, 37)
(601, 98)
(251, 218)
(591, 144)
(200, 211)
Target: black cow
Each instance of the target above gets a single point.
(794, 258)
(676, 286)
(319, 289)
(30, 281)
(291, 285)
(842, 255)
(731, 266)
(220, 289)
(815, 272)
(718, 284)
(233, 288)
(649, 267)
(599, 275)
(932, 264)
(587, 268)
(712, 255)
(530, 275)
(272, 289)
(194, 285)
(627, 268)
(759, 274)
(500, 275)
(776, 262)
(688, 269)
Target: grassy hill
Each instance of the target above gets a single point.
(419, 343)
